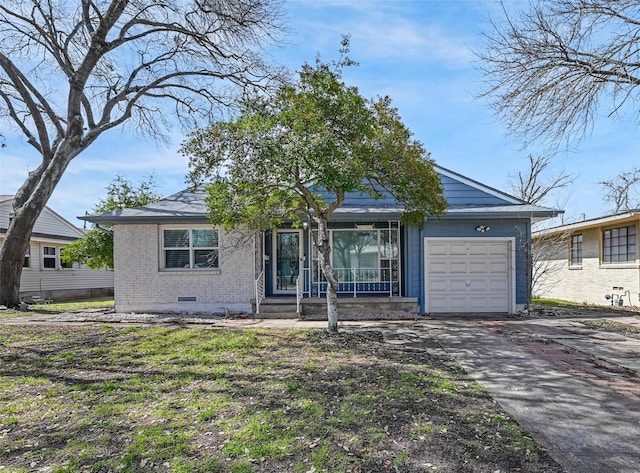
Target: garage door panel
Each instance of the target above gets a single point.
(457, 249)
(497, 285)
(438, 267)
(478, 267)
(439, 285)
(457, 305)
(478, 285)
(498, 267)
(458, 267)
(457, 285)
(487, 304)
(468, 276)
(439, 304)
(438, 249)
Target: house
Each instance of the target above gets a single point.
(169, 258)
(595, 261)
(44, 274)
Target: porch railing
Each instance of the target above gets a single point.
(355, 281)
(259, 290)
(299, 291)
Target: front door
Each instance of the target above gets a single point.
(288, 252)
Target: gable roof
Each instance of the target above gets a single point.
(49, 224)
(478, 186)
(620, 218)
(467, 198)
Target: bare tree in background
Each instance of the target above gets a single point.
(548, 257)
(533, 187)
(69, 71)
(549, 69)
(623, 191)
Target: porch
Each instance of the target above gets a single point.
(349, 308)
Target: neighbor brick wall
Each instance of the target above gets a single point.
(142, 286)
(592, 281)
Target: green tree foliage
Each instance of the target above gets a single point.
(95, 249)
(269, 164)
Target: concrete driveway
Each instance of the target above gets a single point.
(574, 388)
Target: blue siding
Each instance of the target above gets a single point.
(500, 228)
(458, 193)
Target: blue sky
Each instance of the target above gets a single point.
(419, 52)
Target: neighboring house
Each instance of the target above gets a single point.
(44, 275)
(596, 261)
(169, 258)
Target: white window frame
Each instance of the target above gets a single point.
(54, 257)
(191, 249)
(27, 258)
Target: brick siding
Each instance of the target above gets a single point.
(141, 285)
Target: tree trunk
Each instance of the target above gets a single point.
(14, 249)
(27, 205)
(324, 252)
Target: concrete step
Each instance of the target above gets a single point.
(277, 315)
(276, 308)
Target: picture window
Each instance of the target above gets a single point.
(191, 248)
(619, 245)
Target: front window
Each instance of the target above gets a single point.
(49, 257)
(576, 250)
(356, 252)
(619, 245)
(366, 260)
(190, 248)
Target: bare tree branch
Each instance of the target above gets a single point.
(69, 71)
(550, 68)
(623, 191)
(532, 188)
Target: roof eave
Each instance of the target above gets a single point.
(592, 223)
(132, 220)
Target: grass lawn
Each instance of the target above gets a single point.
(56, 308)
(105, 399)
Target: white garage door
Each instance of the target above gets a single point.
(472, 275)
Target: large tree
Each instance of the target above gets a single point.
(95, 249)
(70, 71)
(551, 67)
(296, 155)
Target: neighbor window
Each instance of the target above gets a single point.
(26, 262)
(190, 248)
(49, 257)
(576, 250)
(619, 245)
